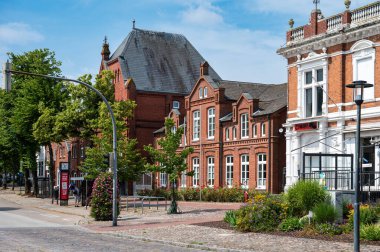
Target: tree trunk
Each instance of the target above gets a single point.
(51, 170)
(5, 178)
(35, 182)
(28, 185)
(173, 206)
(33, 170)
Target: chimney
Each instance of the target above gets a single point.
(105, 50)
(204, 68)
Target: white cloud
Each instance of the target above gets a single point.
(202, 15)
(235, 53)
(18, 34)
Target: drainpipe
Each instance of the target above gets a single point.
(269, 160)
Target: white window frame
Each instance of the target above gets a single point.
(254, 130)
(261, 170)
(205, 92)
(200, 93)
(234, 133)
(244, 170)
(196, 125)
(229, 171)
(227, 130)
(196, 169)
(210, 171)
(244, 125)
(313, 86)
(176, 104)
(263, 130)
(163, 179)
(211, 123)
(312, 62)
(362, 50)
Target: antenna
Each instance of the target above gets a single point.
(134, 24)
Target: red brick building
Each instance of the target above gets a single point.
(156, 70)
(323, 56)
(234, 128)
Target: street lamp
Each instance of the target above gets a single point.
(358, 87)
(7, 82)
(68, 148)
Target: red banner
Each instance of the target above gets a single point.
(64, 187)
(305, 126)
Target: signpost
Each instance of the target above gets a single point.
(64, 184)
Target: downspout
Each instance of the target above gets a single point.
(221, 137)
(269, 155)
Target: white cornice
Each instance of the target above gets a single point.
(328, 40)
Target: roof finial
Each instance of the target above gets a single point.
(316, 2)
(134, 24)
(105, 39)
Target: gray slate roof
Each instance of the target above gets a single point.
(160, 61)
(272, 97)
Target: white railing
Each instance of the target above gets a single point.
(334, 22)
(297, 34)
(365, 13)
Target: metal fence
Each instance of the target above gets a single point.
(335, 172)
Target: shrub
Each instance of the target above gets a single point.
(230, 218)
(370, 232)
(303, 196)
(329, 229)
(324, 213)
(101, 203)
(264, 215)
(290, 224)
(157, 192)
(368, 215)
(231, 195)
(190, 194)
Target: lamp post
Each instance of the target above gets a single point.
(7, 80)
(358, 87)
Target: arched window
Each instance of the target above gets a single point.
(363, 64)
(200, 93)
(234, 133)
(227, 134)
(205, 92)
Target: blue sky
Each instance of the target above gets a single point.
(239, 38)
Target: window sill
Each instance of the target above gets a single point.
(211, 138)
(261, 188)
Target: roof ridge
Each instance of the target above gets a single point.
(151, 31)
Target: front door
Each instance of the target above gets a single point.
(368, 163)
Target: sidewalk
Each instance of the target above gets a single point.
(182, 229)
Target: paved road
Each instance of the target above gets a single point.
(30, 229)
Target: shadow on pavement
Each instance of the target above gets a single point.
(4, 209)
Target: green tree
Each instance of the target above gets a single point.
(29, 95)
(96, 122)
(9, 145)
(169, 159)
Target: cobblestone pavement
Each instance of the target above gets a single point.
(155, 225)
(75, 239)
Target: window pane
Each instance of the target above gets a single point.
(319, 101)
(320, 75)
(309, 102)
(308, 77)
